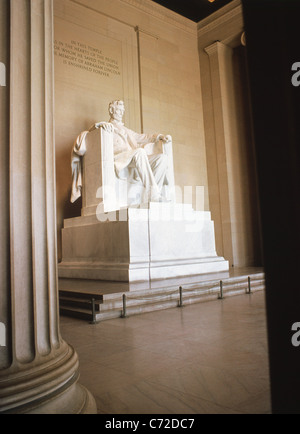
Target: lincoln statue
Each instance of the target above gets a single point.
(132, 158)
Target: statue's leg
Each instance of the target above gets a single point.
(159, 167)
(141, 162)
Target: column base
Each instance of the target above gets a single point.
(46, 388)
(75, 400)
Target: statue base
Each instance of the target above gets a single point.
(161, 241)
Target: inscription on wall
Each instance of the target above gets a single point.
(87, 58)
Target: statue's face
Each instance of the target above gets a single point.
(118, 111)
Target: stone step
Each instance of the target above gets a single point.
(78, 304)
(81, 295)
(76, 313)
(191, 289)
(82, 304)
(137, 309)
(113, 308)
(138, 302)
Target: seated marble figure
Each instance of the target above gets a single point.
(143, 159)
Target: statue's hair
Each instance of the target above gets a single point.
(113, 104)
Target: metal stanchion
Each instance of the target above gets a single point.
(249, 285)
(93, 312)
(220, 297)
(180, 303)
(124, 312)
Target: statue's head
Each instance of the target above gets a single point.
(116, 110)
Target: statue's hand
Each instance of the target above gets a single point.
(107, 126)
(164, 139)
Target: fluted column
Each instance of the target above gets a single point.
(38, 370)
(218, 57)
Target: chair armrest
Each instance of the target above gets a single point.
(168, 148)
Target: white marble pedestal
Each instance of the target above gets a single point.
(136, 244)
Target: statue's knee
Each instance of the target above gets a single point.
(140, 153)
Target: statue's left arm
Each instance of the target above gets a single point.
(142, 140)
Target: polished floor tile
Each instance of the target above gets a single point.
(146, 398)
(207, 358)
(224, 387)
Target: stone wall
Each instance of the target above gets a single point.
(137, 51)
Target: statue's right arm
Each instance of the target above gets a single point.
(93, 127)
(107, 126)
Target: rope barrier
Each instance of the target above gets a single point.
(197, 291)
(141, 297)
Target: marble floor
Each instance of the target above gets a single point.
(206, 358)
